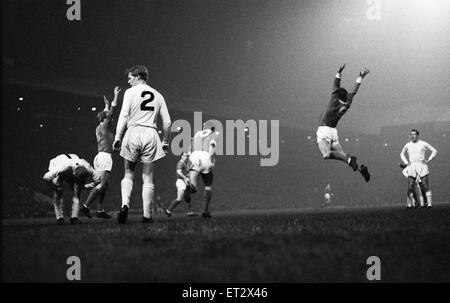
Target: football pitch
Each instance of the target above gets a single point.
(273, 246)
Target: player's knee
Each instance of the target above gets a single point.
(191, 188)
(326, 155)
(208, 188)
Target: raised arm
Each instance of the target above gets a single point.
(122, 122)
(109, 108)
(337, 79)
(358, 82)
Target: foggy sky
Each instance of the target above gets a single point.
(243, 59)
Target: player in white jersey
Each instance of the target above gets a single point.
(202, 159)
(103, 160)
(78, 174)
(417, 165)
(138, 140)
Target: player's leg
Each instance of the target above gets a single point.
(126, 187)
(148, 191)
(187, 199)
(207, 193)
(427, 191)
(104, 185)
(58, 205)
(181, 186)
(193, 177)
(75, 203)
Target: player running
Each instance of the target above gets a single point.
(202, 159)
(78, 174)
(182, 182)
(417, 165)
(141, 106)
(103, 160)
(327, 136)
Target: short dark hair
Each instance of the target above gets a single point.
(415, 130)
(80, 175)
(138, 70)
(341, 93)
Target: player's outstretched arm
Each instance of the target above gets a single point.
(358, 82)
(337, 79)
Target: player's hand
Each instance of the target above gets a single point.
(364, 73)
(341, 68)
(106, 101)
(89, 185)
(165, 147)
(427, 161)
(116, 145)
(116, 90)
(402, 165)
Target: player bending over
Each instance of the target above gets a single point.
(182, 171)
(103, 160)
(417, 165)
(141, 106)
(78, 174)
(327, 135)
(202, 159)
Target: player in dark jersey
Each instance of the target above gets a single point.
(103, 160)
(327, 136)
(181, 184)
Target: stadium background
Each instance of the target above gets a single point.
(253, 59)
(46, 123)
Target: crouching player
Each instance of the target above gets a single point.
(78, 174)
(202, 159)
(181, 184)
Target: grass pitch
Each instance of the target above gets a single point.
(279, 246)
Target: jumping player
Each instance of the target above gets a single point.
(182, 182)
(327, 136)
(417, 165)
(78, 174)
(103, 160)
(202, 159)
(141, 106)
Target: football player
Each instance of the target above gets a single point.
(417, 164)
(182, 171)
(138, 140)
(78, 174)
(327, 135)
(202, 159)
(103, 160)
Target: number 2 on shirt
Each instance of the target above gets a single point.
(147, 100)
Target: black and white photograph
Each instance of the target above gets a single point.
(219, 149)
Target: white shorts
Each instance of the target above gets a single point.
(103, 162)
(142, 144)
(180, 184)
(417, 168)
(201, 162)
(328, 134)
